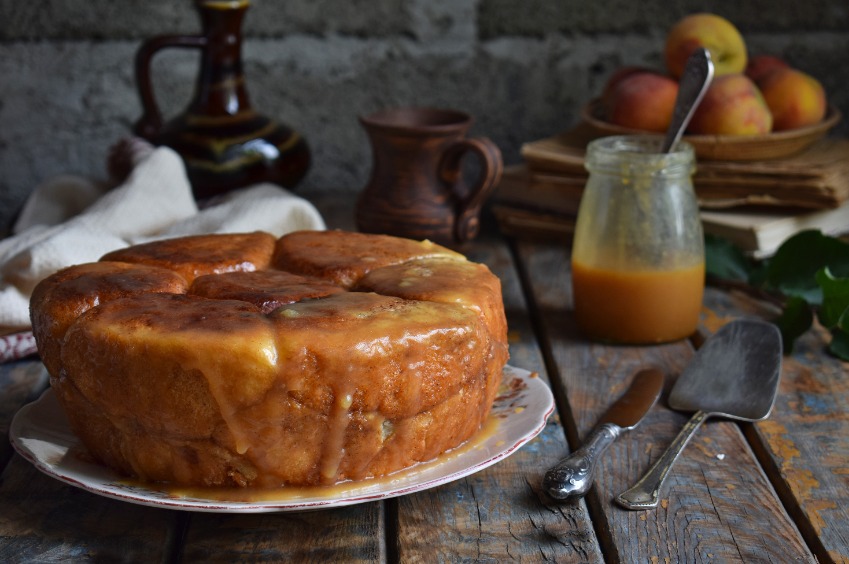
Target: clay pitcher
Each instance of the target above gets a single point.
(225, 143)
(417, 187)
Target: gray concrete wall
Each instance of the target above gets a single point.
(522, 68)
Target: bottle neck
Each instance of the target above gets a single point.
(221, 87)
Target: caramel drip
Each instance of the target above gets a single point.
(243, 433)
(333, 450)
(295, 494)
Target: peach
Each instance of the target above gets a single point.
(732, 105)
(714, 33)
(643, 100)
(761, 65)
(618, 76)
(796, 99)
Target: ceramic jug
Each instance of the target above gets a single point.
(417, 187)
(225, 143)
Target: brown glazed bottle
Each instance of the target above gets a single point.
(225, 144)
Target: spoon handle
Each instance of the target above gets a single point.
(697, 75)
(646, 492)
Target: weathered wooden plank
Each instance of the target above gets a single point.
(350, 534)
(497, 515)
(44, 520)
(717, 504)
(500, 513)
(805, 441)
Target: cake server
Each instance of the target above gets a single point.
(572, 477)
(735, 374)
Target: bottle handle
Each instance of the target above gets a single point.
(467, 223)
(151, 121)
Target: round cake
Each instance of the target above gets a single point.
(245, 360)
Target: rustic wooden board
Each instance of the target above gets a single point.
(717, 504)
(500, 513)
(42, 519)
(350, 534)
(805, 442)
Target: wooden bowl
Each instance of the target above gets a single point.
(729, 147)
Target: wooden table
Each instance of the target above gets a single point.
(775, 491)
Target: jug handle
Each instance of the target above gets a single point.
(151, 121)
(467, 223)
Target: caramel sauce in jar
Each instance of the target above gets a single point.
(638, 251)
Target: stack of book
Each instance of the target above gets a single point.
(755, 204)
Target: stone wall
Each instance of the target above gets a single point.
(522, 68)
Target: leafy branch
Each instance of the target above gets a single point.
(808, 277)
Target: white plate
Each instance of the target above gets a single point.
(40, 433)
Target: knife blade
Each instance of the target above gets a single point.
(572, 477)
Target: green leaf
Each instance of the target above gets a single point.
(792, 270)
(835, 298)
(810, 269)
(724, 260)
(795, 320)
(758, 274)
(839, 345)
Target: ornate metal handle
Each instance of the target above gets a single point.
(646, 493)
(572, 477)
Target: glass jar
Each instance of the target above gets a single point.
(638, 262)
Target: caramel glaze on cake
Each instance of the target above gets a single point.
(241, 360)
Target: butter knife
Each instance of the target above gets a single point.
(572, 477)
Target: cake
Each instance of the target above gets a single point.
(245, 360)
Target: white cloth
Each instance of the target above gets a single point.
(70, 220)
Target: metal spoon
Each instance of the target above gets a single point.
(735, 375)
(698, 73)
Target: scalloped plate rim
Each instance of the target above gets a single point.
(36, 434)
